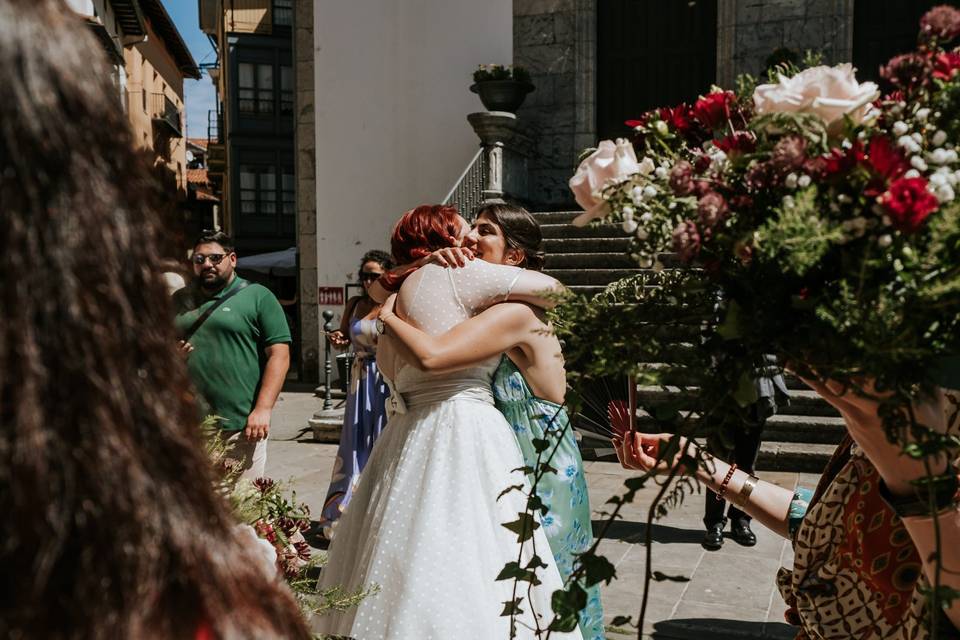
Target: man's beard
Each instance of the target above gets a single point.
(213, 284)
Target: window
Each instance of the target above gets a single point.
(286, 90)
(248, 190)
(289, 193)
(283, 13)
(255, 90)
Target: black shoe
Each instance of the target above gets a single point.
(713, 538)
(740, 531)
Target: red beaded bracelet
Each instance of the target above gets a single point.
(726, 481)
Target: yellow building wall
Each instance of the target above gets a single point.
(249, 16)
(151, 72)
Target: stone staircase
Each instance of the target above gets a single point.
(586, 259)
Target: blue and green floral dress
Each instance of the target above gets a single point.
(567, 522)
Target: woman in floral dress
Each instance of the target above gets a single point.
(365, 413)
(528, 386)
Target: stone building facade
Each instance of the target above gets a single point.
(563, 44)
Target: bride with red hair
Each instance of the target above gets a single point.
(426, 522)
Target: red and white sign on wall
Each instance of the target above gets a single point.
(330, 295)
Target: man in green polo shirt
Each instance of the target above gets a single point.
(238, 357)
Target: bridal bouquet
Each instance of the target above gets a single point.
(825, 213)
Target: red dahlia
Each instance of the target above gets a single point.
(908, 203)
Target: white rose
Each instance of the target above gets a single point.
(885, 240)
(900, 128)
(803, 181)
(791, 181)
(828, 92)
(649, 191)
(610, 164)
(629, 226)
(923, 114)
(917, 163)
(627, 212)
(908, 143)
(939, 138)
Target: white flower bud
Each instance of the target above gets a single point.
(939, 138)
(923, 114)
(944, 193)
(649, 191)
(913, 173)
(791, 181)
(636, 194)
(900, 127)
(661, 128)
(938, 156)
(917, 137)
(908, 143)
(951, 156)
(627, 212)
(844, 199)
(917, 163)
(646, 216)
(938, 179)
(642, 234)
(661, 172)
(629, 226)
(907, 251)
(803, 181)
(885, 240)
(788, 202)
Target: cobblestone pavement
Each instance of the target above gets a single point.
(729, 593)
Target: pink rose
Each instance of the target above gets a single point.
(610, 164)
(827, 92)
(686, 240)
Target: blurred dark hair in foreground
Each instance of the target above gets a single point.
(111, 527)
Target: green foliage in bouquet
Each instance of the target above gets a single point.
(273, 513)
(808, 218)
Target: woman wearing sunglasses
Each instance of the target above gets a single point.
(366, 398)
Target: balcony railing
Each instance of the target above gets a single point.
(166, 114)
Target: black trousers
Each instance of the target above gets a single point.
(745, 449)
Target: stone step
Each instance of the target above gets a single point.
(774, 456)
(803, 402)
(586, 290)
(590, 260)
(590, 276)
(798, 457)
(556, 217)
(606, 230)
(604, 245)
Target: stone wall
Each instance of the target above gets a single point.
(556, 41)
(303, 55)
(750, 30)
(545, 43)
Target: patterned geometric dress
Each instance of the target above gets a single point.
(363, 420)
(567, 523)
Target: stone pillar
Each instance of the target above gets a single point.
(495, 129)
(303, 52)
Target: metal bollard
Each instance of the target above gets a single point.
(327, 366)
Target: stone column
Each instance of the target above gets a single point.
(303, 52)
(495, 129)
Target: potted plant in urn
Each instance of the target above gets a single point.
(501, 88)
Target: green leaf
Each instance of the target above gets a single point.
(512, 607)
(598, 569)
(567, 604)
(731, 328)
(513, 487)
(746, 391)
(523, 526)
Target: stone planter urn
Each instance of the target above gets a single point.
(502, 95)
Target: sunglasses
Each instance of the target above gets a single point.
(369, 276)
(214, 258)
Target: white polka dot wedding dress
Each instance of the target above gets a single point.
(425, 522)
